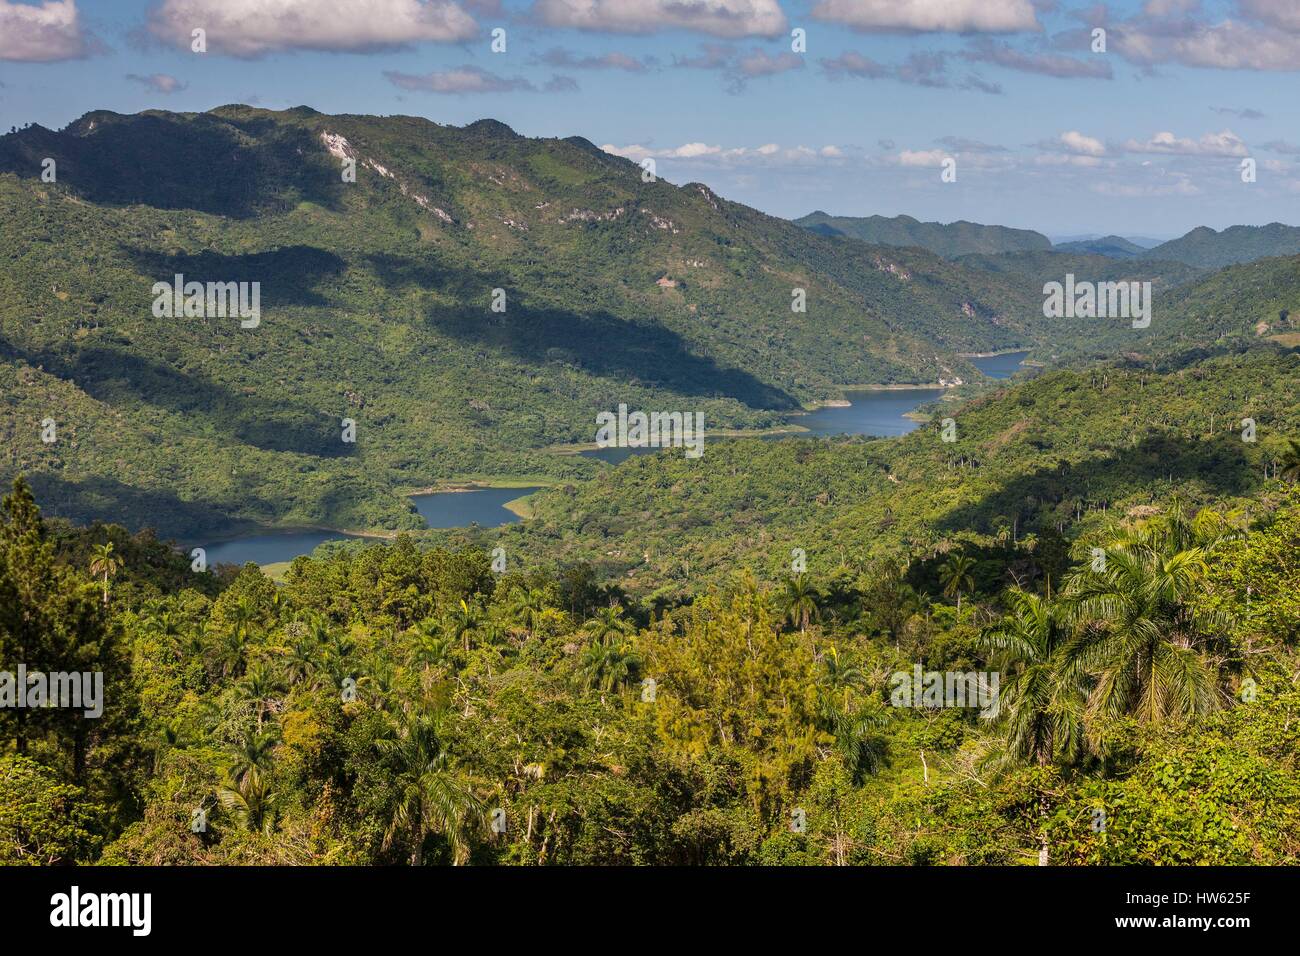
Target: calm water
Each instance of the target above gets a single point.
(482, 506)
(874, 412)
(615, 455)
(1000, 366)
(268, 548)
(448, 509)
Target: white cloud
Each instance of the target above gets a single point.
(39, 34)
(1279, 13)
(926, 157)
(1164, 8)
(1230, 45)
(1226, 143)
(759, 63)
(930, 16)
(1075, 142)
(723, 18)
(769, 154)
(1063, 159)
(559, 57)
(158, 82)
(1045, 64)
(250, 28)
(466, 79)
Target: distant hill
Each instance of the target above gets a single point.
(948, 240)
(1207, 249)
(1116, 247)
(1145, 242)
(1037, 268)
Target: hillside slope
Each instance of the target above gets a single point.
(376, 301)
(1207, 249)
(1036, 458)
(946, 239)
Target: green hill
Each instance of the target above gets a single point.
(1207, 249)
(376, 306)
(1116, 247)
(1038, 457)
(946, 239)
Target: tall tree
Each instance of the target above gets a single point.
(432, 796)
(103, 562)
(1140, 636)
(955, 576)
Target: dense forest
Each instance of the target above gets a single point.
(377, 307)
(750, 657)
(397, 704)
(412, 702)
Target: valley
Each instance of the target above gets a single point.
(429, 603)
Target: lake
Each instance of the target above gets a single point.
(999, 366)
(614, 455)
(876, 412)
(458, 509)
(444, 509)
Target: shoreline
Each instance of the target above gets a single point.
(992, 354)
(251, 529)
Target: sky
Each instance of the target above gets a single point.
(1133, 117)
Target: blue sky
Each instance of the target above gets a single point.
(1146, 138)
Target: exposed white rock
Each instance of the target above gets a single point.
(337, 145)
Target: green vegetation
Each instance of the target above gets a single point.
(1035, 461)
(1116, 247)
(388, 703)
(949, 240)
(684, 661)
(1207, 249)
(376, 300)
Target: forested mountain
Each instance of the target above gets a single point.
(1036, 268)
(1207, 249)
(673, 660)
(377, 306)
(946, 239)
(1116, 247)
(1029, 460)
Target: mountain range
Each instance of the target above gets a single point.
(469, 302)
(1203, 248)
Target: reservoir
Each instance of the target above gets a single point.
(444, 509)
(876, 413)
(999, 366)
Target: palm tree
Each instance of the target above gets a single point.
(104, 562)
(252, 803)
(432, 644)
(955, 576)
(607, 667)
(463, 621)
(1043, 713)
(799, 601)
(432, 798)
(1139, 635)
(528, 608)
(260, 686)
(608, 625)
(849, 712)
(299, 664)
(232, 641)
(252, 756)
